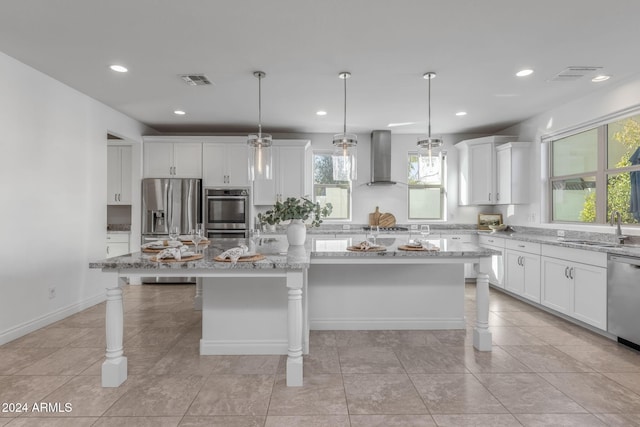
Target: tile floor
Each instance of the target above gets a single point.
(543, 371)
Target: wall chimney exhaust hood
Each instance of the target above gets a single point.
(381, 158)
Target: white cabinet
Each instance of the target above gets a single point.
(574, 282)
(512, 170)
(290, 166)
(522, 269)
(117, 244)
(225, 164)
(496, 274)
(119, 175)
(172, 158)
(485, 178)
(472, 239)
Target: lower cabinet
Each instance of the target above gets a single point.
(577, 289)
(496, 275)
(469, 270)
(117, 244)
(522, 269)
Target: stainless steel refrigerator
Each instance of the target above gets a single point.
(167, 202)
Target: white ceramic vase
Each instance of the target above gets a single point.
(296, 232)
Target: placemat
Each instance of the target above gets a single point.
(420, 249)
(184, 259)
(252, 258)
(374, 249)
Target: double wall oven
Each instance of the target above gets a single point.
(226, 212)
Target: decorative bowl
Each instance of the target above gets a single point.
(499, 227)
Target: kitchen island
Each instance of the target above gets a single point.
(413, 285)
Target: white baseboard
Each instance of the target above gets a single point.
(233, 347)
(384, 324)
(49, 318)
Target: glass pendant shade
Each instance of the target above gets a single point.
(344, 157)
(428, 157)
(260, 158)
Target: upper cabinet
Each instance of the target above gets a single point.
(119, 175)
(493, 170)
(172, 157)
(291, 165)
(512, 171)
(225, 163)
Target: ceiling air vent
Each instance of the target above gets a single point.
(195, 79)
(573, 73)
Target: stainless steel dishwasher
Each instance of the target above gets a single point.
(623, 299)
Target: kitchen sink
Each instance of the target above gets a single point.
(593, 243)
(599, 244)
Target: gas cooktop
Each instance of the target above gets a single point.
(368, 227)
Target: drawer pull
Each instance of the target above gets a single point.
(521, 246)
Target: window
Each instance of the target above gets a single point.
(327, 190)
(596, 172)
(426, 192)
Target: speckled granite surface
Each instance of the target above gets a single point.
(278, 254)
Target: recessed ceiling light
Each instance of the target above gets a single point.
(523, 73)
(119, 68)
(461, 113)
(179, 113)
(321, 113)
(392, 125)
(600, 78)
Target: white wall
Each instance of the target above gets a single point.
(393, 199)
(53, 189)
(610, 99)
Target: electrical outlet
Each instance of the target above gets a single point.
(560, 233)
(52, 292)
(414, 226)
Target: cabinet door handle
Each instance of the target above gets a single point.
(107, 250)
(521, 246)
(455, 238)
(489, 196)
(115, 197)
(497, 197)
(566, 272)
(571, 273)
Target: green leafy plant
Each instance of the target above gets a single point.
(296, 208)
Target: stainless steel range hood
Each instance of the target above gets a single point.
(381, 158)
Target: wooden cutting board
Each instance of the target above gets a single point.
(374, 217)
(387, 220)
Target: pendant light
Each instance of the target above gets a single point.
(428, 146)
(260, 159)
(345, 153)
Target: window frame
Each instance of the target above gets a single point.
(602, 172)
(348, 185)
(442, 186)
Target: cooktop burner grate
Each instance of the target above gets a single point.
(367, 228)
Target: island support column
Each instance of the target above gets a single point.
(294, 281)
(481, 333)
(114, 368)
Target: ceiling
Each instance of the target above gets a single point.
(475, 47)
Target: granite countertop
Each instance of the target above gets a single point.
(278, 254)
(606, 246)
(328, 247)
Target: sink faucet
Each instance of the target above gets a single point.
(617, 217)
